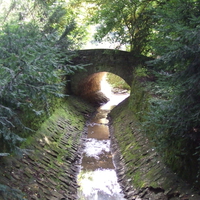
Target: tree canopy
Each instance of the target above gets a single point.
(122, 22)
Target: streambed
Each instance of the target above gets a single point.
(97, 178)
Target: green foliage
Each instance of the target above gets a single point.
(176, 40)
(53, 16)
(138, 102)
(34, 59)
(122, 22)
(141, 72)
(174, 117)
(180, 67)
(117, 82)
(29, 76)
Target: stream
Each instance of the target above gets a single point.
(97, 178)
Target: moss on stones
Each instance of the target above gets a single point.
(49, 169)
(140, 168)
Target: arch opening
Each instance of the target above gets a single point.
(99, 87)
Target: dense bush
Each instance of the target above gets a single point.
(174, 116)
(30, 76)
(36, 40)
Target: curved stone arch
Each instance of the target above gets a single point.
(120, 63)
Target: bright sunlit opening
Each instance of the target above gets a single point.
(106, 87)
(115, 99)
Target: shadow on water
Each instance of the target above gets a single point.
(97, 178)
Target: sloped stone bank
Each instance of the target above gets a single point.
(49, 170)
(141, 171)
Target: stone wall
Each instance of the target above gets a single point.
(47, 169)
(141, 170)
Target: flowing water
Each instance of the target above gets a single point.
(97, 178)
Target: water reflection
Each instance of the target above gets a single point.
(103, 161)
(97, 178)
(100, 132)
(99, 185)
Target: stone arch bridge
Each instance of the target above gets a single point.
(86, 83)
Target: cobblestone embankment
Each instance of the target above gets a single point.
(141, 171)
(49, 170)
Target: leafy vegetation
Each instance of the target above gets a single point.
(117, 82)
(174, 119)
(122, 22)
(36, 39)
(35, 43)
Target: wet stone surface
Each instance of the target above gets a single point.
(97, 177)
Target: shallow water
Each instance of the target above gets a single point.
(97, 178)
